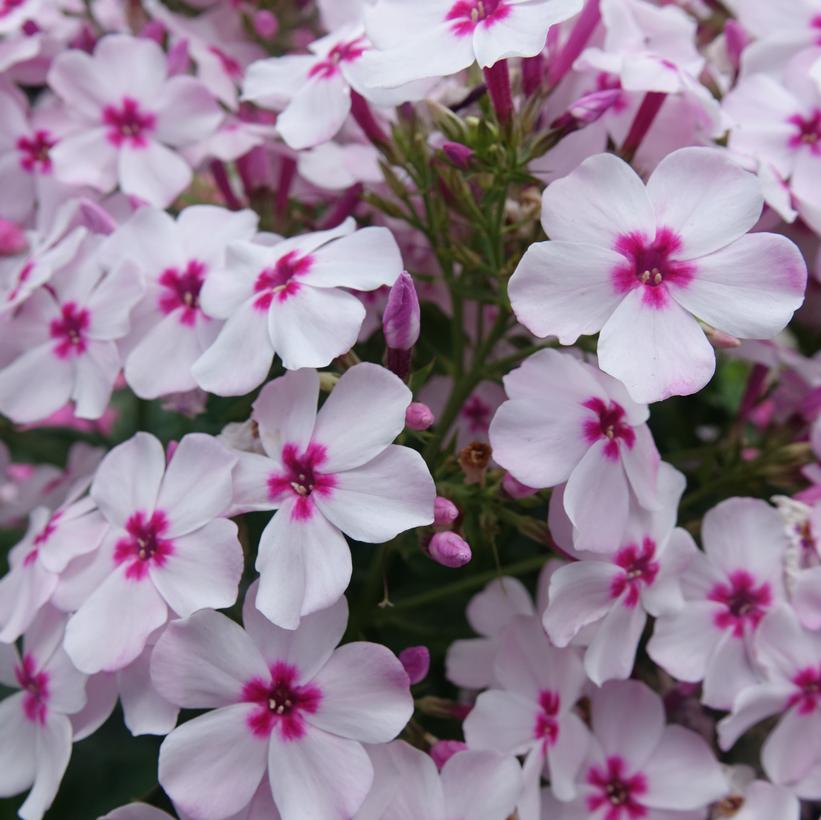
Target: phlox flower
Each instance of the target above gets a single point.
(748, 798)
(169, 550)
(472, 785)
(791, 658)
(566, 421)
(612, 595)
(728, 589)
(35, 722)
(175, 258)
(134, 119)
(287, 707)
(287, 299)
(326, 474)
(531, 713)
(638, 264)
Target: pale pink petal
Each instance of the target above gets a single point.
(272, 83)
(115, 57)
(23, 591)
(69, 684)
(198, 758)
(78, 81)
(792, 747)
(469, 663)
(364, 260)
(480, 785)
(153, 172)
(602, 199)
(564, 289)
(641, 465)
(656, 351)
(35, 385)
(52, 752)
(285, 411)
(683, 643)
(86, 158)
(96, 641)
(319, 776)
(490, 610)
(136, 811)
(365, 694)
(314, 325)
(730, 670)
(752, 706)
(363, 415)
(18, 765)
(186, 112)
(128, 478)
(704, 198)
(806, 597)
(111, 302)
(95, 374)
(197, 484)
(392, 493)
(749, 289)
(612, 651)
(250, 479)
(316, 112)
(566, 755)
(558, 376)
(145, 711)
(101, 698)
(502, 721)
(204, 661)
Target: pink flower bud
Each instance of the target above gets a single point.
(449, 550)
(416, 660)
(12, 238)
(400, 320)
(736, 39)
(444, 750)
(418, 416)
(153, 30)
(445, 512)
(266, 24)
(515, 489)
(460, 155)
(587, 109)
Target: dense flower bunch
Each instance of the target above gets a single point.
(410, 409)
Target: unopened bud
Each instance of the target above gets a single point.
(449, 550)
(153, 30)
(416, 660)
(474, 460)
(515, 489)
(736, 40)
(445, 512)
(418, 416)
(400, 324)
(460, 155)
(12, 238)
(444, 750)
(587, 109)
(266, 24)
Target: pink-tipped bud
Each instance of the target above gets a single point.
(418, 416)
(736, 39)
(449, 550)
(587, 109)
(460, 155)
(445, 512)
(400, 323)
(515, 489)
(444, 750)
(266, 24)
(178, 59)
(416, 660)
(12, 238)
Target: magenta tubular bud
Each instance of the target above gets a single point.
(12, 238)
(266, 24)
(532, 74)
(445, 512)
(400, 323)
(460, 155)
(418, 416)
(645, 116)
(497, 79)
(362, 114)
(416, 660)
(515, 489)
(576, 41)
(153, 30)
(444, 750)
(449, 550)
(587, 109)
(736, 39)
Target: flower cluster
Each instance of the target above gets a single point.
(410, 409)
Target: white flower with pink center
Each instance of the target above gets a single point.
(287, 705)
(640, 265)
(326, 474)
(134, 122)
(437, 38)
(566, 421)
(35, 722)
(611, 597)
(791, 689)
(472, 785)
(728, 589)
(532, 713)
(175, 257)
(637, 768)
(71, 327)
(291, 299)
(169, 550)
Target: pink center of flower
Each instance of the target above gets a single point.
(69, 331)
(477, 414)
(650, 266)
(181, 290)
(467, 14)
(34, 152)
(281, 281)
(340, 53)
(144, 544)
(128, 124)
(807, 132)
(283, 702)
(808, 682)
(639, 567)
(547, 725)
(615, 793)
(35, 686)
(301, 479)
(608, 423)
(744, 602)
